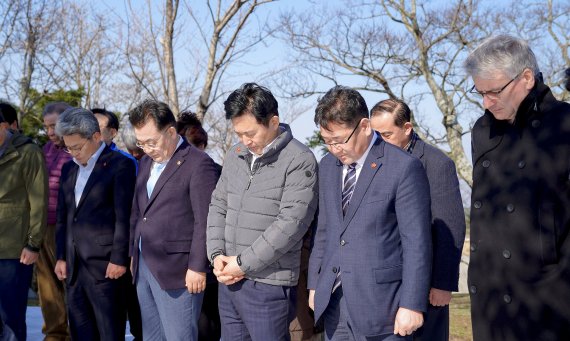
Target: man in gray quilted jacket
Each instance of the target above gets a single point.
(262, 206)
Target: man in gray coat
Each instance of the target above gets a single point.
(261, 208)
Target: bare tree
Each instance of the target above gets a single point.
(35, 27)
(227, 25)
(172, 90)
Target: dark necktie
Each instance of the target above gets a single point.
(348, 189)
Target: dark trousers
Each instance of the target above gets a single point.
(133, 308)
(209, 328)
(338, 325)
(436, 325)
(96, 309)
(251, 310)
(15, 279)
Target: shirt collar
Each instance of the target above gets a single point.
(93, 159)
(360, 162)
(266, 148)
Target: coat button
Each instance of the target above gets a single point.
(507, 299)
(473, 247)
(144, 219)
(473, 289)
(342, 242)
(477, 204)
(74, 220)
(510, 208)
(335, 270)
(535, 123)
(506, 254)
(521, 164)
(486, 163)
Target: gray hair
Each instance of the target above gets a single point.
(501, 53)
(77, 121)
(128, 134)
(55, 108)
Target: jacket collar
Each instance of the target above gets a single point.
(277, 145)
(177, 159)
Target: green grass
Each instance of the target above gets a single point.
(460, 318)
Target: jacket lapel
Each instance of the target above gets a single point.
(177, 159)
(371, 166)
(418, 150)
(98, 169)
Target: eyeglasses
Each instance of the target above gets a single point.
(493, 94)
(339, 144)
(73, 150)
(152, 143)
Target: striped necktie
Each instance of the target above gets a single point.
(348, 187)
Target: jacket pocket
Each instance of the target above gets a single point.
(376, 197)
(176, 246)
(387, 275)
(105, 239)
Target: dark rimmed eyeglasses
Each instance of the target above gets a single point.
(339, 144)
(493, 94)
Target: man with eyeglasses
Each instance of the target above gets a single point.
(519, 272)
(168, 225)
(92, 229)
(23, 213)
(369, 271)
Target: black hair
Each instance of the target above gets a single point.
(154, 110)
(9, 113)
(189, 125)
(341, 105)
(252, 99)
(398, 108)
(112, 120)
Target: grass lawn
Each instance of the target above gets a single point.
(460, 318)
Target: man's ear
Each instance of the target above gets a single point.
(528, 79)
(274, 122)
(408, 127)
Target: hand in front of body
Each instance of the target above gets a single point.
(195, 281)
(312, 299)
(115, 271)
(227, 270)
(407, 321)
(60, 270)
(439, 298)
(28, 257)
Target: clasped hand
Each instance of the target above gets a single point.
(227, 270)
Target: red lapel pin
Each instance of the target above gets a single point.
(373, 165)
(238, 149)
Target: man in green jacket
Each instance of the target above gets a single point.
(23, 214)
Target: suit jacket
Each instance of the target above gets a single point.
(95, 232)
(382, 245)
(172, 222)
(447, 215)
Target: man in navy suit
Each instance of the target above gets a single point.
(370, 267)
(92, 229)
(168, 225)
(391, 118)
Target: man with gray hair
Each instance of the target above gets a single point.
(50, 290)
(92, 237)
(519, 273)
